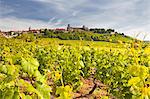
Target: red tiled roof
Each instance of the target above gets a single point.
(60, 29)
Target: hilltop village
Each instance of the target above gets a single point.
(69, 28)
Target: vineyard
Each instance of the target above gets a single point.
(56, 69)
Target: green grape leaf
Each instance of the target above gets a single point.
(30, 88)
(64, 92)
(8, 94)
(3, 69)
(134, 81)
(27, 67)
(34, 62)
(16, 95)
(44, 90)
(27, 97)
(39, 77)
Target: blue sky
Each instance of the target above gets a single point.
(128, 16)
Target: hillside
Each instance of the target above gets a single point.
(83, 35)
(108, 36)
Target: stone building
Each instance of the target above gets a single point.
(77, 29)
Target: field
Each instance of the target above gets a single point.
(73, 69)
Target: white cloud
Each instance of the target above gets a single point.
(142, 31)
(12, 23)
(75, 13)
(63, 5)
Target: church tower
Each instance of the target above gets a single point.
(68, 27)
(30, 28)
(84, 27)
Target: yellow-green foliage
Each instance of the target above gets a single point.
(31, 70)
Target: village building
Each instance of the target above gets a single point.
(113, 33)
(60, 29)
(35, 31)
(77, 29)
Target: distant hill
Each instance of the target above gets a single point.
(107, 35)
(110, 36)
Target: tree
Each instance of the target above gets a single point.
(110, 30)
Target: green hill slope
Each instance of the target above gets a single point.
(88, 36)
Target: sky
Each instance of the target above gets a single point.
(131, 17)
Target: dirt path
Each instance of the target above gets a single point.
(91, 89)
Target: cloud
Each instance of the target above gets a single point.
(62, 5)
(4, 10)
(143, 32)
(13, 23)
(75, 13)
